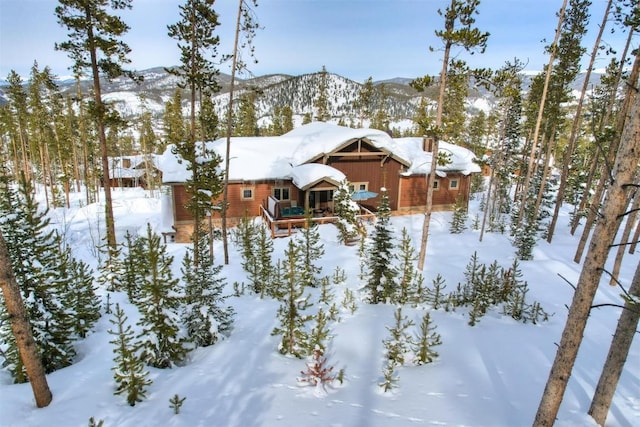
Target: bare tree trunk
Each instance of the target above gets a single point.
(429, 204)
(543, 98)
(615, 202)
(490, 203)
(618, 352)
(604, 122)
(594, 206)
(100, 109)
(545, 172)
(225, 193)
(434, 151)
(22, 330)
(575, 222)
(613, 150)
(634, 239)
(577, 121)
(624, 239)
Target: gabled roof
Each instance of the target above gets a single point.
(275, 157)
(307, 175)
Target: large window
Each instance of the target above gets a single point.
(453, 184)
(281, 193)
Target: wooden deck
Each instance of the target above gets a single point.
(284, 227)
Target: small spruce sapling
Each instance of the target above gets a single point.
(129, 373)
(293, 304)
(436, 295)
(318, 373)
(176, 403)
(389, 376)
(459, 217)
(399, 342)
(426, 339)
(94, 423)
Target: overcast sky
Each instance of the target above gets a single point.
(354, 38)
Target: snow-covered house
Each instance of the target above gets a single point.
(282, 177)
(134, 171)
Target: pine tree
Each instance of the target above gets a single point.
(322, 103)
(247, 120)
(425, 340)
(459, 18)
(311, 250)
(436, 296)
(410, 277)
(459, 217)
(160, 343)
(197, 73)
(133, 266)
(320, 334)
(129, 374)
(41, 270)
(111, 270)
(205, 317)
(347, 211)
(389, 376)
(293, 304)
(380, 119)
(85, 303)
(398, 344)
(382, 274)
(318, 372)
(94, 43)
(364, 102)
(173, 120)
(25, 345)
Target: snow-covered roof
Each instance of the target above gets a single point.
(308, 174)
(279, 157)
(125, 173)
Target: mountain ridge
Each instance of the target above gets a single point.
(299, 92)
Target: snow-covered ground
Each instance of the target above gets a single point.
(491, 374)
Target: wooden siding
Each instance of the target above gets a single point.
(379, 170)
(414, 192)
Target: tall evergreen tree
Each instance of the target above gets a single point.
(95, 44)
(382, 273)
(247, 121)
(84, 303)
(410, 279)
(160, 341)
(459, 18)
(364, 102)
(41, 269)
(129, 373)
(195, 33)
(322, 103)
(311, 251)
(293, 303)
(245, 30)
(204, 314)
(21, 330)
(347, 211)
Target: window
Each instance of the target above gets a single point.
(358, 186)
(247, 193)
(436, 184)
(453, 184)
(281, 193)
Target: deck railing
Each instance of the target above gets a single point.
(283, 227)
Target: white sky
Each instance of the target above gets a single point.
(354, 38)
